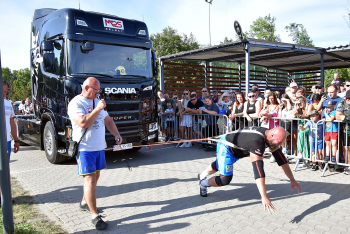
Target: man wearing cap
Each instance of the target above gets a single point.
(232, 95)
(255, 90)
(293, 90)
(347, 87)
(332, 94)
(343, 114)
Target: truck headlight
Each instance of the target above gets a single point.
(153, 127)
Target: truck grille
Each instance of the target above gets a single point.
(122, 106)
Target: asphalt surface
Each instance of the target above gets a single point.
(161, 195)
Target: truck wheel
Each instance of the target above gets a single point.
(50, 145)
(134, 149)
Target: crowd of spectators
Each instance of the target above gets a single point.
(298, 110)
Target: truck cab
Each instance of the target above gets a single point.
(70, 45)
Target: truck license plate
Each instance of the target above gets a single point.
(122, 147)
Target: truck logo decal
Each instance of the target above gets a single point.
(120, 90)
(113, 23)
(122, 118)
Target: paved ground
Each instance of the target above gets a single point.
(161, 194)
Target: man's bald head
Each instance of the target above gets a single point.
(90, 88)
(275, 136)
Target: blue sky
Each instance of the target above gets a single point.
(323, 19)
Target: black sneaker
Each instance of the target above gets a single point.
(202, 190)
(313, 168)
(99, 223)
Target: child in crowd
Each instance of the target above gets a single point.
(315, 144)
(170, 119)
(331, 131)
(222, 123)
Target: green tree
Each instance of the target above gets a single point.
(21, 85)
(264, 29)
(8, 77)
(170, 42)
(299, 34)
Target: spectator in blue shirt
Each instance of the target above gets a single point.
(332, 95)
(331, 130)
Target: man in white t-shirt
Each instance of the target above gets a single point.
(11, 129)
(87, 112)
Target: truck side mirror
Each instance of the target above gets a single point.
(47, 46)
(86, 47)
(154, 63)
(49, 62)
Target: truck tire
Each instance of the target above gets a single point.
(50, 145)
(134, 149)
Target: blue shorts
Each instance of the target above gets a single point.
(319, 145)
(90, 161)
(224, 158)
(9, 148)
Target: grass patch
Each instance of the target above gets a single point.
(26, 215)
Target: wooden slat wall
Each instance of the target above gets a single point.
(178, 77)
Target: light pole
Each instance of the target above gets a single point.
(209, 1)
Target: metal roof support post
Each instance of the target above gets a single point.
(289, 78)
(161, 68)
(322, 69)
(6, 201)
(247, 69)
(267, 77)
(206, 74)
(240, 76)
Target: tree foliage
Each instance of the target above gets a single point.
(18, 82)
(299, 34)
(264, 29)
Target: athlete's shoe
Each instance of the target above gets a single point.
(189, 144)
(183, 145)
(85, 207)
(272, 159)
(99, 223)
(202, 190)
(347, 171)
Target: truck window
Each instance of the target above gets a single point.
(59, 57)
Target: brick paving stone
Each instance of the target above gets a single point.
(161, 195)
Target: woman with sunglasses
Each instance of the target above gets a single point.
(237, 111)
(252, 109)
(224, 99)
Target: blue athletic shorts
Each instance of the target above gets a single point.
(319, 145)
(9, 148)
(224, 158)
(90, 161)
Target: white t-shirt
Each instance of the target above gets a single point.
(185, 103)
(9, 113)
(94, 139)
(169, 117)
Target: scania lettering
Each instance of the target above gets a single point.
(70, 45)
(120, 90)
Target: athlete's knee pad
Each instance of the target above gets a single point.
(223, 180)
(213, 165)
(258, 167)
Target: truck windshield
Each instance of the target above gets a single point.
(111, 60)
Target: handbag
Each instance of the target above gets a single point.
(73, 145)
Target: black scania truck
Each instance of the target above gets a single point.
(69, 45)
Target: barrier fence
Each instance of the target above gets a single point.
(310, 142)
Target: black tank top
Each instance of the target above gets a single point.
(239, 109)
(251, 108)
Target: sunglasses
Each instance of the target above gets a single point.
(97, 90)
(225, 96)
(230, 92)
(204, 91)
(175, 97)
(185, 93)
(251, 96)
(193, 99)
(347, 85)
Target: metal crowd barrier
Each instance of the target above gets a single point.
(193, 127)
(199, 129)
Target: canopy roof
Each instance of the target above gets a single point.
(273, 55)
